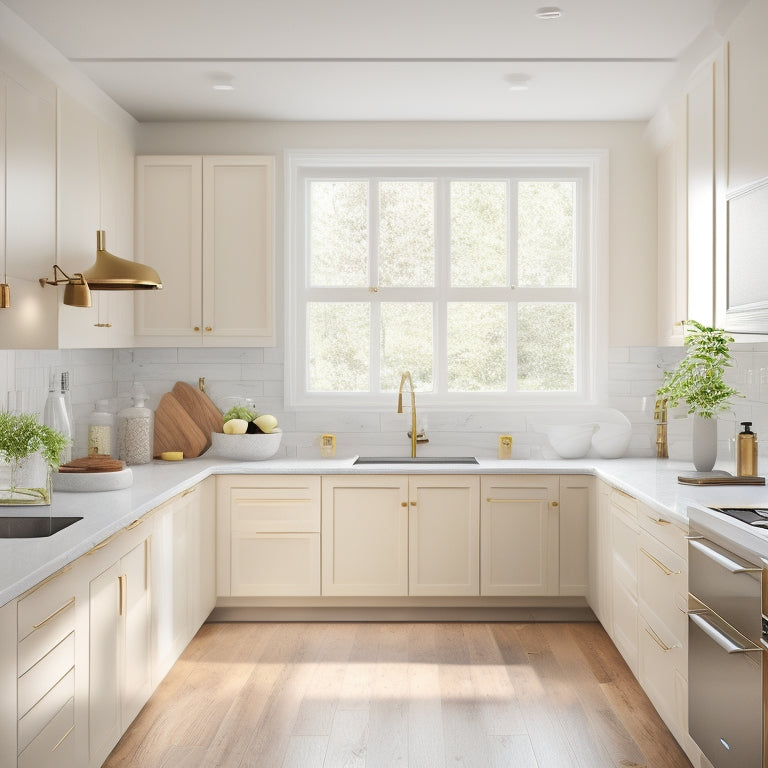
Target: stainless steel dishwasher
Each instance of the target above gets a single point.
(725, 652)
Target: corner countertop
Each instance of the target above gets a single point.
(26, 562)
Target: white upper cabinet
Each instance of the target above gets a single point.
(28, 215)
(206, 225)
(95, 191)
(748, 96)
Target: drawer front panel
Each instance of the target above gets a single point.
(664, 530)
(293, 509)
(44, 603)
(55, 746)
(48, 634)
(44, 675)
(663, 585)
(33, 723)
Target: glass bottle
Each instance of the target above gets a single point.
(55, 416)
(100, 428)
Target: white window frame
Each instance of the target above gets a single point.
(592, 324)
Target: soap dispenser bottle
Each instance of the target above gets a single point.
(746, 451)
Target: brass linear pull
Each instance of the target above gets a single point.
(59, 610)
(656, 639)
(492, 500)
(103, 543)
(123, 581)
(134, 524)
(659, 520)
(658, 563)
(49, 579)
(61, 740)
(188, 491)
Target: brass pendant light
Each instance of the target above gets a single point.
(111, 273)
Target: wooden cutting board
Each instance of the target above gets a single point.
(95, 463)
(175, 430)
(201, 408)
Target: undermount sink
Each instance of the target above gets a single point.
(415, 460)
(33, 527)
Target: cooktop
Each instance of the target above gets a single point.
(756, 516)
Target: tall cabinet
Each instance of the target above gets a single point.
(206, 225)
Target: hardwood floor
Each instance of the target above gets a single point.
(390, 695)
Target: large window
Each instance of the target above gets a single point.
(475, 278)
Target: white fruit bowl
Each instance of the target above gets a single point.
(571, 441)
(245, 447)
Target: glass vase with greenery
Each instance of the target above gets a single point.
(699, 379)
(22, 437)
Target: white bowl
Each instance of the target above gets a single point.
(571, 441)
(245, 447)
(612, 440)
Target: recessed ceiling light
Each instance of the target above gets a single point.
(550, 12)
(223, 87)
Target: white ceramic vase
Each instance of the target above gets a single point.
(704, 443)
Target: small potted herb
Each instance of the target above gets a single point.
(30, 451)
(699, 381)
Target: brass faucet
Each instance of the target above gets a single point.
(416, 437)
(660, 416)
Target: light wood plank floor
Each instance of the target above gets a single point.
(391, 695)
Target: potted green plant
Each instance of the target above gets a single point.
(29, 451)
(699, 381)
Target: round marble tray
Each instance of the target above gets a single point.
(83, 482)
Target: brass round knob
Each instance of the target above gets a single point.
(196, 329)
(208, 328)
(555, 504)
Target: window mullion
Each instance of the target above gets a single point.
(442, 281)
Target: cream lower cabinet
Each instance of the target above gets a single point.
(519, 535)
(268, 530)
(365, 535)
(120, 679)
(52, 658)
(573, 535)
(444, 535)
(601, 557)
(624, 548)
(183, 572)
(663, 622)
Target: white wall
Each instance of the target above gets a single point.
(632, 182)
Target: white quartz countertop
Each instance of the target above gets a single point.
(26, 562)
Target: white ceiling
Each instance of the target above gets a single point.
(393, 60)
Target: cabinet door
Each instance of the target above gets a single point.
(135, 614)
(8, 675)
(519, 535)
(444, 535)
(747, 96)
(365, 535)
(105, 687)
(168, 238)
(170, 627)
(201, 565)
(701, 196)
(575, 503)
(238, 279)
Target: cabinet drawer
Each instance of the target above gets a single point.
(624, 504)
(274, 564)
(662, 673)
(664, 530)
(33, 723)
(55, 745)
(44, 675)
(280, 507)
(45, 602)
(663, 585)
(46, 635)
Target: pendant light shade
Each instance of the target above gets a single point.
(111, 273)
(5, 296)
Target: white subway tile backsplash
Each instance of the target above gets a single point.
(232, 374)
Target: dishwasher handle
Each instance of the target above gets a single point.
(723, 560)
(720, 636)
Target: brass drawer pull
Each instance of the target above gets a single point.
(491, 500)
(103, 543)
(659, 520)
(61, 740)
(667, 571)
(656, 639)
(63, 608)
